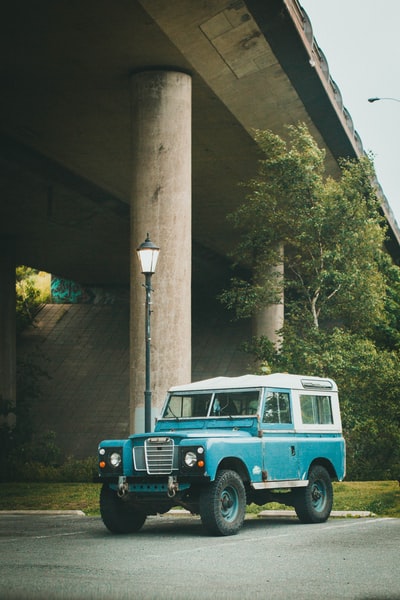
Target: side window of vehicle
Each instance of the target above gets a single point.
(277, 408)
(235, 403)
(316, 410)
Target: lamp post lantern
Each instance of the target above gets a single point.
(148, 255)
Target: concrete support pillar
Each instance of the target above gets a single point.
(161, 206)
(7, 333)
(269, 320)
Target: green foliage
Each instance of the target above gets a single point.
(36, 457)
(16, 441)
(18, 445)
(69, 471)
(29, 456)
(245, 297)
(342, 291)
(387, 330)
(327, 233)
(27, 297)
(369, 384)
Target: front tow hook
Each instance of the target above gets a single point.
(173, 486)
(122, 486)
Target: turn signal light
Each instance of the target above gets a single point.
(200, 463)
(102, 464)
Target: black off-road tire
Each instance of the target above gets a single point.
(223, 504)
(314, 502)
(117, 515)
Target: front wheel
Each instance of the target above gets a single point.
(117, 515)
(314, 502)
(223, 504)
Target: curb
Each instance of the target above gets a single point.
(75, 513)
(334, 513)
(286, 514)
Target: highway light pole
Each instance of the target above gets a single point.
(148, 255)
(376, 99)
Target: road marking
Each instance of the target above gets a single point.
(355, 522)
(40, 537)
(241, 537)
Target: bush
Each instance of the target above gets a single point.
(368, 378)
(71, 470)
(28, 297)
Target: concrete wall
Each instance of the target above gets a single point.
(85, 351)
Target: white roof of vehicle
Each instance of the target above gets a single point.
(275, 380)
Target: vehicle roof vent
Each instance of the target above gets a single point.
(320, 384)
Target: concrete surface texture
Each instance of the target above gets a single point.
(84, 348)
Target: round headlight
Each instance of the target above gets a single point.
(190, 459)
(115, 459)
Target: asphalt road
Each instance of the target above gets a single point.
(74, 557)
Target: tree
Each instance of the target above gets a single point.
(17, 443)
(342, 290)
(27, 296)
(331, 232)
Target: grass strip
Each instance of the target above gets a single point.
(379, 497)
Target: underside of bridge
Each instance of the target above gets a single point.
(65, 117)
(66, 120)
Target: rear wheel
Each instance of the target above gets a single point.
(223, 504)
(117, 515)
(314, 502)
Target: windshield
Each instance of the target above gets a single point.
(188, 405)
(213, 404)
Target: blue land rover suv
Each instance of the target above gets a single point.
(226, 442)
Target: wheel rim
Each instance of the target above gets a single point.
(229, 500)
(318, 496)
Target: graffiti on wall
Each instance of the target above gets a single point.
(65, 291)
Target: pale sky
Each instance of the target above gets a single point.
(361, 42)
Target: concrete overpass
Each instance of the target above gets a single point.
(119, 117)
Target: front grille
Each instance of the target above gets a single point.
(159, 454)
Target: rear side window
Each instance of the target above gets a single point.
(277, 408)
(316, 410)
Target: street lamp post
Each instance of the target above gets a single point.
(148, 256)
